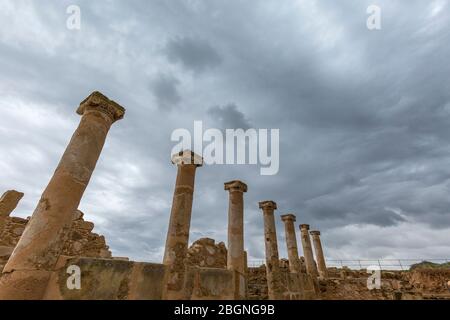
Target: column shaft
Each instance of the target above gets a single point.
(307, 251)
(179, 226)
(236, 256)
(291, 242)
(323, 272)
(274, 278)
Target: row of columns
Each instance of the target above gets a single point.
(295, 264)
(28, 270)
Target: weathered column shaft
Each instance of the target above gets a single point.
(236, 255)
(291, 242)
(307, 251)
(274, 278)
(27, 271)
(321, 265)
(179, 225)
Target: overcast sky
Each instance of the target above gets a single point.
(364, 116)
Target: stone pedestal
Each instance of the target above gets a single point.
(274, 278)
(311, 268)
(321, 265)
(179, 225)
(27, 272)
(236, 255)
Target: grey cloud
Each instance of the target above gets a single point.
(364, 116)
(166, 92)
(194, 54)
(229, 117)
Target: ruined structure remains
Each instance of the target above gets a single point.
(38, 255)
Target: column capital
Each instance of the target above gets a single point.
(235, 185)
(314, 233)
(268, 205)
(187, 157)
(288, 217)
(99, 102)
(304, 226)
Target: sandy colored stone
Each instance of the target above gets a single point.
(321, 265)
(43, 240)
(206, 252)
(236, 255)
(179, 224)
(274, 278)
(311, 267)
(9, 201)
(291, 243)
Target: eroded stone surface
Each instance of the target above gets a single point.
(274, 278)
(9, 201)
(206, 253)
(43, 240)
(179, 224)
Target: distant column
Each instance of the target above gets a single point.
(291, 242)
(321, 265)
(274, 278)
(27, 272)
(236, 255)
(307, 251)
(180, 222)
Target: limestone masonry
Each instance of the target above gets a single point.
(37, 253)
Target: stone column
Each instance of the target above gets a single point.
(291, 242)
(323, 272)
(274, 278)
(26, 274)
(311, 268)
(180, 222)
(236, 256)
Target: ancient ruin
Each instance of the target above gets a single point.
(37, 253)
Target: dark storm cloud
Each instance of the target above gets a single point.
(194, 54)
(364, 116)
(229, 116)
(166, 92)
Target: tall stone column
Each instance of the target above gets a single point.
(323, 272)
(295, 265)
(236, 255)
(180, 222)
(27, 272)
(311, 268)
(274, 278)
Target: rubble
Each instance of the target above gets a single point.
(206, 253)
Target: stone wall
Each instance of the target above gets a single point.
(82, 242)
(107, 279)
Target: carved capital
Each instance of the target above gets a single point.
(235, 185)
(314, 233)
(98, 102)
(270, 205)
(187, 157)
(304, 226)
(288, 217)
